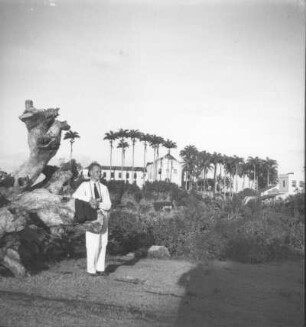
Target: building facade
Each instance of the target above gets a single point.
(287, 183)
(166, 168)
(127, 174)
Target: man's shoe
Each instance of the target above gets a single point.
(102, 273)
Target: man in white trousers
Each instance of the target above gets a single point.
(97, 196)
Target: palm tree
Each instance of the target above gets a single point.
(204, 165)
(154, 142)
(123, 145)
(221, 164)
(169, 145)
(133, 134)
(244, 169)
(271, 166)
(111, 137)
(70, 135)
(145, 138)
(254, 163)
(215, 160)
(189, 155)
(160, 141)
(122, 134)
(237, 163)
(230, 166)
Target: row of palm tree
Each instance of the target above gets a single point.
(134, 135)
(262, 172)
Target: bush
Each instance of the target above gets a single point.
(118, 188)
(247, 192)
(204, 229)
(165, 191)
(127, 233)
(294, 206)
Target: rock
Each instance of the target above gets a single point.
(247, 199)
(130, 255)
(9, 223)
(14, 266)
(156, 251)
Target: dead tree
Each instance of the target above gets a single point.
(31, 214)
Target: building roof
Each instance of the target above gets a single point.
(168, 156)
(267, 188)
(125, 168)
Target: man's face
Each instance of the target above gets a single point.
(95, 173)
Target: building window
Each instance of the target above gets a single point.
(293, 183)
(127, 175)
(284, 183)
(135, 175)
(112, 174)
(301, 184)
(119, 175)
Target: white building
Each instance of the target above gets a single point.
(166, 168)
(287, 185)
(128, 174)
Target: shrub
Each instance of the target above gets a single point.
(165, 191)
(127, 233)
(204, 229)
(247, 192)
(118, 188)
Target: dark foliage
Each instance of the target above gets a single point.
(207, 228)
(118, 188)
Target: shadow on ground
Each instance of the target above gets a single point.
(112, 267)
(233, 295)
(191, 311)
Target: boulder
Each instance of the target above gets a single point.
(157, 251)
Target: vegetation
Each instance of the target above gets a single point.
(226, 169)
(262, 172)
(202, 229)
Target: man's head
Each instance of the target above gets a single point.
(94, 171)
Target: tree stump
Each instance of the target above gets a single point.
(31, 216)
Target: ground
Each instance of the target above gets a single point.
(149, 292)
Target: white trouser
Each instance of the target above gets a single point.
(96, 251)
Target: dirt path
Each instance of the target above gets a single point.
(157, 293)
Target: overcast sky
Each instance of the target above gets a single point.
(225, 76)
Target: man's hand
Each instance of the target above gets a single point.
(93, 203)
(94, 227)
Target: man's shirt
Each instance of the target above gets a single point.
(86, 191)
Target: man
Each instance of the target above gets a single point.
(98, 202)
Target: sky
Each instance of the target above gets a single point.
(223, 75)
